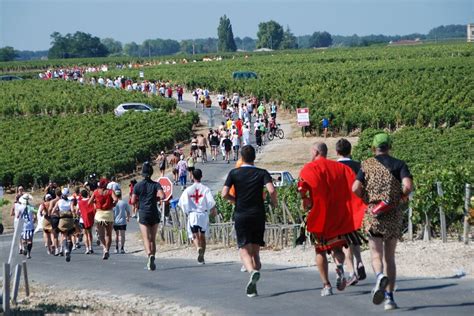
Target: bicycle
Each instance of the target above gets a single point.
(278, 132)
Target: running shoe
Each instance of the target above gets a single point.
(122, 251)
(361, 273)
(68, 256)
(327, 291)
(390, 304)
(353, 280)
(28, 256)
(243, 269)
(87, 252)
(78, 246)
(48, 251)
(378, 292)
(98, 242)
(200, 258)
(56, 252)
(20, 252)
(151, 263)
(340, 280)
(91, 251)
(116, 250)
(105, 256)
(252, 284)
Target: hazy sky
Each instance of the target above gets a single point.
(27, 24)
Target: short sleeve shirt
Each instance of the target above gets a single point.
(146, 191)
(398, 168)
(248, 182)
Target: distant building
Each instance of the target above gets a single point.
(470, 32)
(416, 41)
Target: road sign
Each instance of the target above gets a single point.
(302, 116)
(167, 186)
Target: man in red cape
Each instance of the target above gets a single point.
(336, 213)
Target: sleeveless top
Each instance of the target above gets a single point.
(64, 206)
(103, 201)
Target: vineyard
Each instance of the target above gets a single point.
(357, 88)
(433, 155)
(64, 148)
(29, 97)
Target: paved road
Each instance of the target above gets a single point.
(219, 287)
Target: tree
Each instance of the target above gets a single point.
(79, 45)
(225, 36)
(289, 40)
(113, 46)
(269, 35)
(131, 49)
(320, 39)
(448, 31)
(7, 53)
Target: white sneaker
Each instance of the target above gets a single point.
(243, 269)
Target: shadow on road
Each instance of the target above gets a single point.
(291, 292)
(427, 288)
(414, 308)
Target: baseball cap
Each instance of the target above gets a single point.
(65, 191)
(381, 139)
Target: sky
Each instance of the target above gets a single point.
(28, 24)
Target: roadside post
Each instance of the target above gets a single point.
(410, 222)
(442, 216)
(302, 118)
(467, 209)
(6, 289)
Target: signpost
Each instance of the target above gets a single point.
(302, 117)
(167, 186)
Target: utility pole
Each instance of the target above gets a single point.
(193, 48)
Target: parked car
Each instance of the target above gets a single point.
(9, 78)
(137, 107)
(244, 75)
(282, 178)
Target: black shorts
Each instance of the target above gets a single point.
(120, 227)
(202, 148)
(197, 229)
(274, 115)
(249, 230)
(149, 219)
(193, 148)
(54, 222)
(191, 169)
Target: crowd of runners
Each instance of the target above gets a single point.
(342, 198)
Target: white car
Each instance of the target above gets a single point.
(137, 107)
(282, 178)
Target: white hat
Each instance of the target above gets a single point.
(25, 198)
(65, 192)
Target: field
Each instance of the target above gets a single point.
(357, 88)
(63, 131)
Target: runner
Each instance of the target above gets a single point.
(197, 202)
(385, 183)
(104, 201)
(43, 211)
(146, 195)
(227, 144)
(235, 145)
(273, 110)
(182, 167)
(162, 162)
(58, 250)
(202, 145)
(130, 193)
(190, 163)
(87, 213)
(249, 213)
(325, 125)
(335, 212)
(343, 150)
(194, 147)
(214, 142)
(121, 218)
(28, 216)
(64, 209)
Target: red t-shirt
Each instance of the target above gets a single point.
(103, 201)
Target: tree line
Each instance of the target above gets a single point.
(270, 35)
